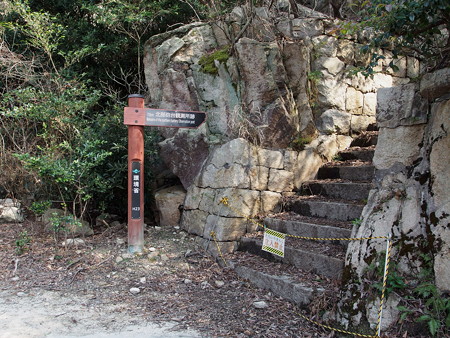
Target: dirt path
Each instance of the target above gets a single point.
(51, 314)
(97, 289)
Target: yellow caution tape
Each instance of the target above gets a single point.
(335, 329)
(225, 202)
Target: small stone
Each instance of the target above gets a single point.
(176, 227)
(143, 280)
(15, 279)
(73, 242)
(187, 281)
(205, 285)
(135, 291)
(219, 283)
(115, 224)
(152, 255)
(21, 294)
(157, 228)
(119, 259)
(120, 241)
(260, 304)
(164, 258)
(152, 249)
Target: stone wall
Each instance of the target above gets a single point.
(285, 81)
(254, 179)
(411, 201)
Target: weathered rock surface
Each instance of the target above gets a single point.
(10, 211)
(410, 202)
(262, 99)
(398, 145)
(184, 154)
(169, 202)
(400, 106)
(436, 84)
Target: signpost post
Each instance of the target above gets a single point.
(135, 180)
(136, 117)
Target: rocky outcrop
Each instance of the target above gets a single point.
(411, 202)
(169, 202)
(280, 100)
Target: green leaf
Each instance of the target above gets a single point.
(423, 318)
(433, 325)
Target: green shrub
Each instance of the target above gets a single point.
(23, 242)
(300, 142)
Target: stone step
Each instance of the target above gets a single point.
(358, 153)
(305, 259)
(340, 211)
(351, 172)
(337, 189)
(305, 229)
(284, 281)
(366, 139)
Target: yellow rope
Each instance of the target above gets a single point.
(335, 329)
(213, 235)
(225, 201)
(385, 276)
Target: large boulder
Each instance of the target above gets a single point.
(169, 203)
(398, 145)
(184, 154)
(436, 84)
(401, 106)
(10, 211)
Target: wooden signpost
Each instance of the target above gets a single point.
(136, 117)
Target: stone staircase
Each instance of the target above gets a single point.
(324, 208)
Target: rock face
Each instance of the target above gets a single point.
(169, 202)
(273, 88)
(411, 201)
(280, 103)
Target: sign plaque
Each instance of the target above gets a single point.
(163, 118)
(136, 190)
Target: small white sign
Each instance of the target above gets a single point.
(274, 242)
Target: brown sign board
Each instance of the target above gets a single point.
(163, 118)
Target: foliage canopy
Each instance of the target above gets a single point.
(418, 28)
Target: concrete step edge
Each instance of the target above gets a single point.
(326, 266)
(281, 286)
(326, 209)
(299, 228)
(351, 173)
(342, 190)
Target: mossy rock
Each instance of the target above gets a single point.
(207, 62)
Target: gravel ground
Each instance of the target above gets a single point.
(97, 289)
